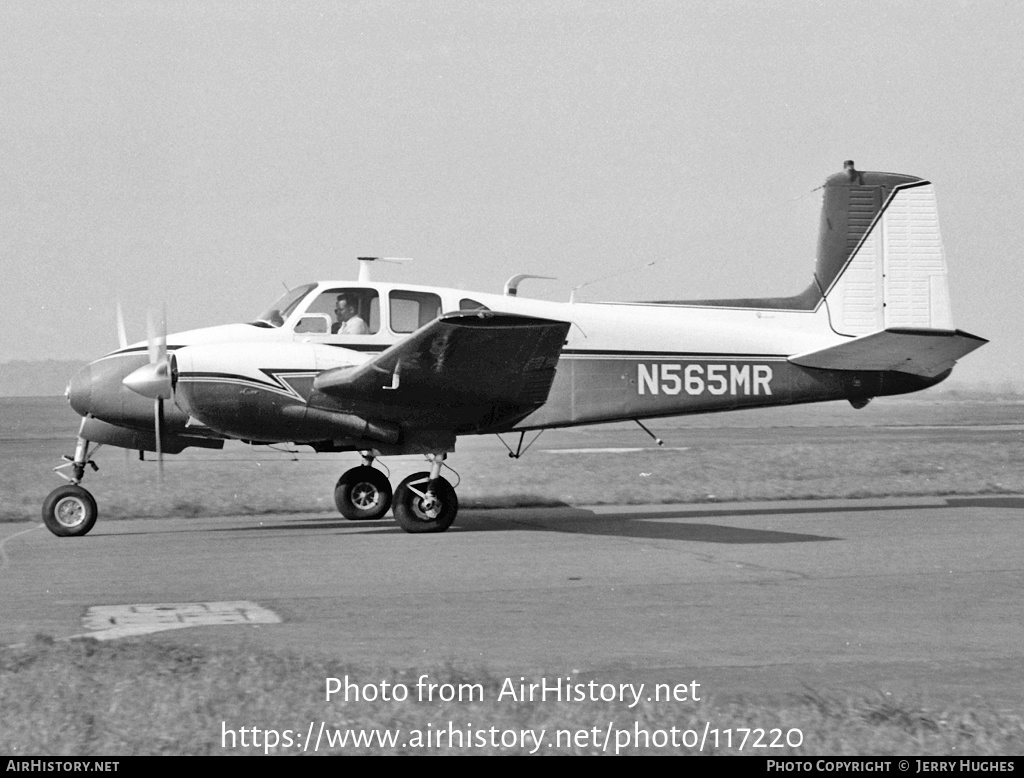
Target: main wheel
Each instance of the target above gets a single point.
(69, 511)
(363, 494)
(415, 511)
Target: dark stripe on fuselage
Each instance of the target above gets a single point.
(627, 354)
(592, 390)
(137, 350)
(368, 347)
(277, 382)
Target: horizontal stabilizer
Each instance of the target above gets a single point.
(460, 359)
(923, 352)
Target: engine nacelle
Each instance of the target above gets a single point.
(260, 391)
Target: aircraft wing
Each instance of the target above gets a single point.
(460, 360)
(924, 352)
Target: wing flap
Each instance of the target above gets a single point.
(460, 359)
(924, 352)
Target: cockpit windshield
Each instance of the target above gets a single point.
(275, 315)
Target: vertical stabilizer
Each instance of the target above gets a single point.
(880, 258)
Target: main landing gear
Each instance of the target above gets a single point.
(363, 493)
(423, 502)
(69, 510)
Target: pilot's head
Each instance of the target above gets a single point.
(343, 308)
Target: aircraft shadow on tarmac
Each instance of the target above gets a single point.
(677, 524)
(626, 526)
(660, 526)
(985, 502)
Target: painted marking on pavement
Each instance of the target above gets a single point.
(4, 561)
(108, 622)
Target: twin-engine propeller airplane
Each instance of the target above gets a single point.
(387, 369)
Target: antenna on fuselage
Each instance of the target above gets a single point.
(364, 265)
(632, 269)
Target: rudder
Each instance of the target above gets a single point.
(880, 259)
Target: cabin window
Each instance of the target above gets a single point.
(466, 304)
(357, 312)
(412, 310)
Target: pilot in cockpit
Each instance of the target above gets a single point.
(349, 322)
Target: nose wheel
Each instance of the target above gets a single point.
(69, 511)
(363, 494)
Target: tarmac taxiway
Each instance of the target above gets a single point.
(913, 597)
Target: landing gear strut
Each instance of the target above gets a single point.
(363, 493)
(69, 510)
(426, 502)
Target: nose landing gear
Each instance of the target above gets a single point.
(70, 510)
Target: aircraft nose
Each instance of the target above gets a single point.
(79, 391)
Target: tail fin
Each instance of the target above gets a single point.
(880, 262)
(880, 259)
(882, 273)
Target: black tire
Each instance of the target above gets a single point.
(69, 511)
(363, 494)
(410, 512)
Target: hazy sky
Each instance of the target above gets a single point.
(204, 154)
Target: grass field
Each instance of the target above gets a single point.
(85, 698)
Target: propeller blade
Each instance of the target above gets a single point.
(163, 330)
(154, 356)
(155, 380)
(122, 337)
(158, 424)
(156, 332)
